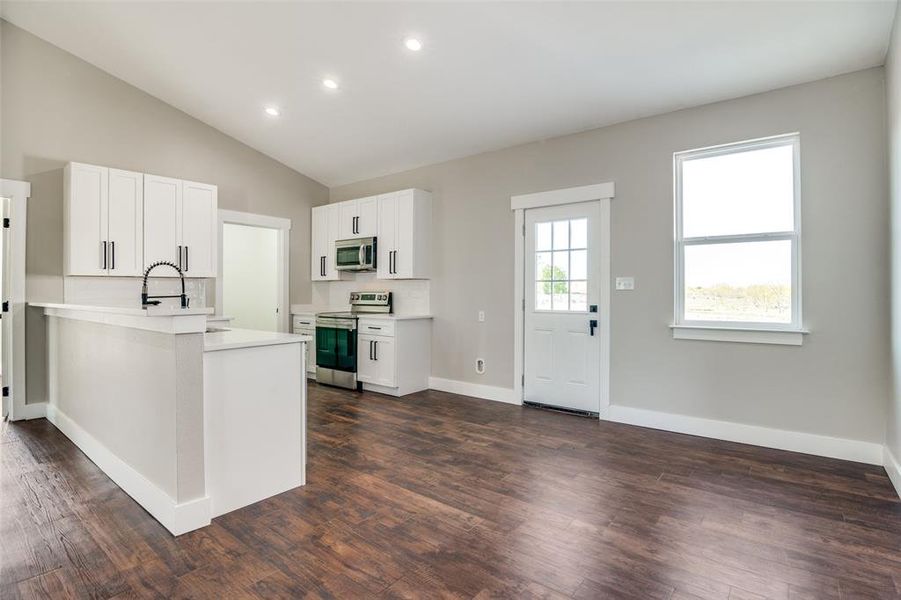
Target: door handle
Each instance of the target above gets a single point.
(375, 346)
(113, 253)
(370, 349)
(591, 325)
(179, 257)
(104, 255)
(187, 260)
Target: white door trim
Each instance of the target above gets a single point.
(602, 193)
(284, 252)
(17, 192)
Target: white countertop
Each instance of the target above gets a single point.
(136, 311)
(229, 339)
(392, 317)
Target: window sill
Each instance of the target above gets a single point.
(792, 337)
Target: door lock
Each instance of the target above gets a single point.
(591, 325)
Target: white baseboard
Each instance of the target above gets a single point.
(893, 468)
(476, 390)
(795, 441)
(177, 518)
(32, 411)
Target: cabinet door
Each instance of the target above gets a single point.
(335, 218)
(347, 225)
(367, 216)
(384, 353)
(386, 234)
(126, 223)
(162, 199)
(319, 230)
(86, 217)
(404, 246)
(367, 367)
(198, 226)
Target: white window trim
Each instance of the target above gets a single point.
(738, 331)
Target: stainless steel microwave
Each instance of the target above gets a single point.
(358, 254)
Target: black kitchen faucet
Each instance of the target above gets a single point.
(146, 300)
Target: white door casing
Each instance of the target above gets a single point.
(17, 193)
(563, 272)
(602, 195)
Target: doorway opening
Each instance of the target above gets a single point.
(252, 286)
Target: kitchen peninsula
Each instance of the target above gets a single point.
(192, 423)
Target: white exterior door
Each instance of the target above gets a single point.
(87, 189)
(126, 223)
(563, 285)
(162, 198)
(197, 224)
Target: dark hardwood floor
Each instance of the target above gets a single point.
(437, 495)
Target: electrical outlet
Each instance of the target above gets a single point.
(481, 316)
(480, 366)
(625, 283)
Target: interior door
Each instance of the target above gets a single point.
(162, 197)
(198, 229)
(87, 196)
(126, 223)
(562, 285)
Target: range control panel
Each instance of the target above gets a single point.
(371, 301)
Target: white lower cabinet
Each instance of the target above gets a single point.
(306, 325)
(394, 356)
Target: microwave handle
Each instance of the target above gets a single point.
(362, 254)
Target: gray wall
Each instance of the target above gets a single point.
(836, 384)
(56, 108)
(893, 97)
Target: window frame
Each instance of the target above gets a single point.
(794, 236)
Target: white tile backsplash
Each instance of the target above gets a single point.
(126, 291)
(409, 296)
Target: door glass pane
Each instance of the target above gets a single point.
(561, 295)
(743, 282)
(743, 192)
(561, 266)
(561, 235)
(542, 236)
(543, 271)
(578, 296)
(578, 264)
(578, 229)
(543, 295)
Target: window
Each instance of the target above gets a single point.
(737, 237)
(561, 265)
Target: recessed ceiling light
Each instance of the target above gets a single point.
(330, 84)
(413, 44)
(273, 111)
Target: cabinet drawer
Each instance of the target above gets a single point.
(376, 327)
(303, 322)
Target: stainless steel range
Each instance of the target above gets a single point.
(336, 338)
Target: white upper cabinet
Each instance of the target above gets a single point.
(404, 235)
(326, 225)
(162, 199)
(126, 223)
(358, 218)
(180, 226)
(197, 224)
(103, 221)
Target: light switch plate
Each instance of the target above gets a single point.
(625, 283)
